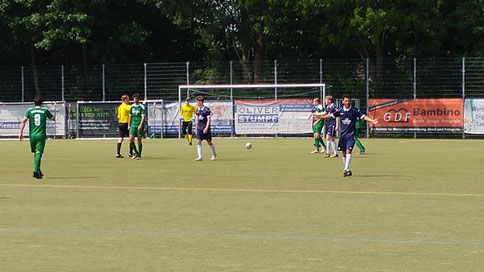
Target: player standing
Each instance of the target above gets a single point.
(357, 136)
(332, 125)
(348, 116)
(318, 125)
(202, 126)
(136, 121)
(187, 111)
(37, 117)
(123, 116)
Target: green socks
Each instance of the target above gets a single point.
(133, 147)
(37, 159)
(140, 148)
(322, 142)
(359, 145)
(316, 144)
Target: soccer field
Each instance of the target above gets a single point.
(411, 205)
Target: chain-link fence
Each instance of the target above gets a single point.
(386, 78)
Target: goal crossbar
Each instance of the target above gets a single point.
(252, 86)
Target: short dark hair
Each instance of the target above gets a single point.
(199, 98)
(346, 96)
(136, 95)
(188, 99)
(38, 100)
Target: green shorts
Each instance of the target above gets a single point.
(37, 144)
(133, 130)
(318, 127)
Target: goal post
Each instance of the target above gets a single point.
(316, 90)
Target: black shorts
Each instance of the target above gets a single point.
(186, 127)
(123, 130)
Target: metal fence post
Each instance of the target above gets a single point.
(23, 83)
(415, 86)
(275, 79)
(62, 82)
(232, 97)
(321, 78)
(463, 87)
(146, 83)
(104, 84)
(367, 79)
(188, 78)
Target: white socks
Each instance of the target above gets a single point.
(213, 150)
(347, 162)
(199, 150)
(331, 144)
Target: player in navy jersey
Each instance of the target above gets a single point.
(332, 126)
(347, 116)
(202, 126)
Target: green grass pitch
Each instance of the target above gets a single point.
(411, 205)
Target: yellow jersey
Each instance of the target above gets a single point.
(123, 113)
(187, 112)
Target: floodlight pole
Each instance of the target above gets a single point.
(321, 94)
(104, 84)
(463, 86)
(232, 96)
(415, 86)
(275, 79)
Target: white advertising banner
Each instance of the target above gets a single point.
(474, 116)
(222, 115)
(285, 116)
(12, 113)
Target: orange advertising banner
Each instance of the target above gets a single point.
(417, 115)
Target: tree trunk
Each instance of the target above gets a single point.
(34, 68)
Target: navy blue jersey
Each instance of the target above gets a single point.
(348, 121)
(330, 110)
(203, 114)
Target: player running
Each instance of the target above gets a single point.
(123, 116)
(37, 117)
(136, 121)
(348, 116)
(187, 111)
(318, 125)
(332, 125)
(202, 126)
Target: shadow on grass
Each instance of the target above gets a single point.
(71, 177)
(379, 176)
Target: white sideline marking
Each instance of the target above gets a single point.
(239, 235)
(239, 190)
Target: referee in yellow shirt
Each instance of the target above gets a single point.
(123, 114)
(187, 111)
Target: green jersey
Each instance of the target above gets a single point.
(137, 111)
(37, 117)
(358, 123)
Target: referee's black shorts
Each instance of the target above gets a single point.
(123, 130)
(187, 127)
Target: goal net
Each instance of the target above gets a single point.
(255, 109)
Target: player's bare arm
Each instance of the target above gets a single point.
(22, 127)
(205, 130)
(337, 124)
(368, 119)
(129, 122)
(141, 123)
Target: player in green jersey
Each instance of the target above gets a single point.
(37, 117)
(318, 125)
(357, 136)
(136, 121)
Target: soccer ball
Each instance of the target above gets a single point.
(248, 145)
